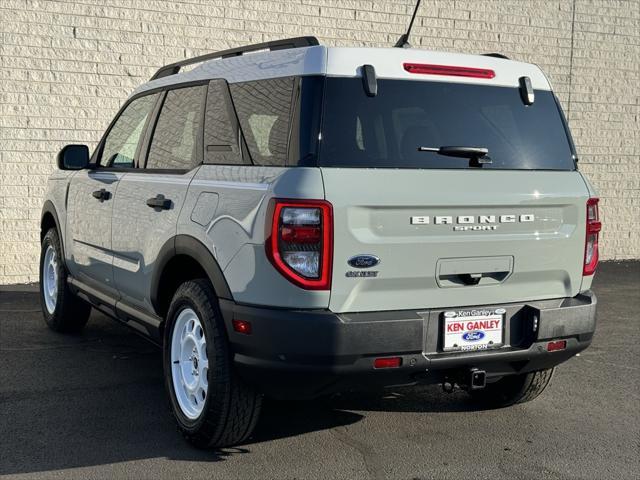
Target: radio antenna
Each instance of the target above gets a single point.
(403, 41)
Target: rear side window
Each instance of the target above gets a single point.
(176, 142)
(264, 112)
(387, 130)
(222, 143)
(121, 143)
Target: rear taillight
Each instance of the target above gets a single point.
(591, 239)
(301, 242)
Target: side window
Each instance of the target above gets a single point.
(264, 111)
(122, 140)
(221, 145)
(176, 142)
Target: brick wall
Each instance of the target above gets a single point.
(66, 67)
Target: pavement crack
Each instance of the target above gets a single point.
(372, 461)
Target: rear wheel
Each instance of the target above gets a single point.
(63, 311)
(513, 389)
(212, 405)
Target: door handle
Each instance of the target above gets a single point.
(101, 195)
(159, 202)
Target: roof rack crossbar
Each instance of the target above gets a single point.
(297, 42)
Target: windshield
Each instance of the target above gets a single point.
(386, 131)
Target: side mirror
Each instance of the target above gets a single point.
(73, 157)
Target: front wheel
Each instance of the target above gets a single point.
(513, 389)
(212, 405)
(63, 311)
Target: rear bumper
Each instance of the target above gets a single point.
(307, 353)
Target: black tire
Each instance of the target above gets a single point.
(231, 407)
(70, 314)
(513, 389)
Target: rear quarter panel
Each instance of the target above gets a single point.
(227, 209)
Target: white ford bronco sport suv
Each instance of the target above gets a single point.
(293, 220)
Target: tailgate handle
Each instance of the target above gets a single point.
(471, 271)
(476, 278)
(471, 278)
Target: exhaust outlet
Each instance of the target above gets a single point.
(448, 387)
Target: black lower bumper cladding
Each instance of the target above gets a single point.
(308, 353)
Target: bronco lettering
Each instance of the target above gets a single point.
(471, 219)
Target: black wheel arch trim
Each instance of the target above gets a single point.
(49, 208)
(194, 248)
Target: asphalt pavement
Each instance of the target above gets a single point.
(94, 406)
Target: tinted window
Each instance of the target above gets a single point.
(305, 122)
(387, 130)
(221, 143)
(175, 144)
(122, 141)
(264, 111)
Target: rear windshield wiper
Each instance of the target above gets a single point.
(477, 155)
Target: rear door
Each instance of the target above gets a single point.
(449, 231)
(92, 194)
(146, 210)
(534, 253)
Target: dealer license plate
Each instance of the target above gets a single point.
(474, 329)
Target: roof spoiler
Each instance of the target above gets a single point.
(495, 55)
(287, 43)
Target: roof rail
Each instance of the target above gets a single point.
(496, 55)
(297, 42)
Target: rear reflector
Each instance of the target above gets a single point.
(557, 345)
(242, 326)
(429, 69)
(389, 362)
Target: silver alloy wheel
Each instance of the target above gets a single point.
(189, 363)
(50, 279)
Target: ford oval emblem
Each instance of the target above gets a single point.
(473, 336)
(363, 261)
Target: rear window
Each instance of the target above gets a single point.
(386, 131)
(264, 111)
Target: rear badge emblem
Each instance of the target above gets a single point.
(361, 274)
(473, 336)
(363, 261)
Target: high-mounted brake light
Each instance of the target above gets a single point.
(300, 245)
(430, 69)
(591, 239)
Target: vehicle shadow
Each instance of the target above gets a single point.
(98, 398)
(281, 419)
